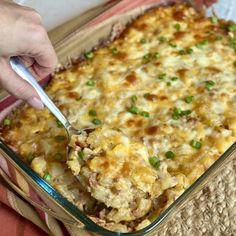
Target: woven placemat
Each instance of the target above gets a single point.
(211, 212)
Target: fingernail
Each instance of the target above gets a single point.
(36, 103)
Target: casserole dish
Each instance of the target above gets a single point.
(89, 224)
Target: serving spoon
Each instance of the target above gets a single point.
(25, 74)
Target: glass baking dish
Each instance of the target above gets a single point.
(44, 197)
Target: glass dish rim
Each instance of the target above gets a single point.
(82, 217)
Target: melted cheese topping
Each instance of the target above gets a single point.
(164, 88)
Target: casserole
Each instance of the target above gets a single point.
(174, 113)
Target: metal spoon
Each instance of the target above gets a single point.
(25, 74)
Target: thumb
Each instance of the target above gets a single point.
(17, 86)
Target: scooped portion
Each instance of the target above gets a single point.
(118, 172)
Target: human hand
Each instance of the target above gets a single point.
(23, 35)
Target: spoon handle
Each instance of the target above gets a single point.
(25, 74)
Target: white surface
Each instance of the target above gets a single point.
(57, 12)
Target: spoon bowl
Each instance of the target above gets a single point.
(25, 74)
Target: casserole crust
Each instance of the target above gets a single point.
(162, 100)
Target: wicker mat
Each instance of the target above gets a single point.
(211, 212)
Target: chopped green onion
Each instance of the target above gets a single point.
(143, 41)
(47, 176)
(59, 124)
(146, 95)
(156, 55)
(168, 84)
(173, 45)
(89, 55)
(58, 156)
(235, 64)
(134, 98)
(146, 58)
(182, 52)
(30, 157)
(60, 138)
(202, 44)
(177, 27)
(7, 122)
(176, 114)
(188, 99)
(231, 28)
(114, 51)
(214, 20)
(96, 122)
(189, 51)
(90, 83)
(144, 114)
(174, 78)
(162, 76)
(162, 39)
(155, 162)
(196, 144)
(92, 112)
(81, 154)
(232, 43)
(185, 113)
(170, 155)
(209, 84)
(133, 110)
(219, 37)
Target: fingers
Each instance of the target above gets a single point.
(17, 86)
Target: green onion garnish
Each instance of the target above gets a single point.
(168, 84)
(92, 112)
(182, 52)
(30, 157)
(81, 154)
(176, 114)
(134, 98)
(173, 45)
(90, 83)
(209, 84)
(89, 55)
(188, 99)
(177, 26)
(58, 156)
(234, 64)
(162, 39)
(185, 113)
(162, 76)
(196, 144)
(189, 51)
(7, 122)
(170, 155)
(96, 121)
(114, 51)
(47, 176)
(133, 110)
(214, 20)
(146, 95)
(59, 124)
(202, 44)
(144, 114)
(155, 162)
(231, 28)
(156, 55)
(174, 78)
(219, 37)
(143, 41)
(60, 138)
(146, 58)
